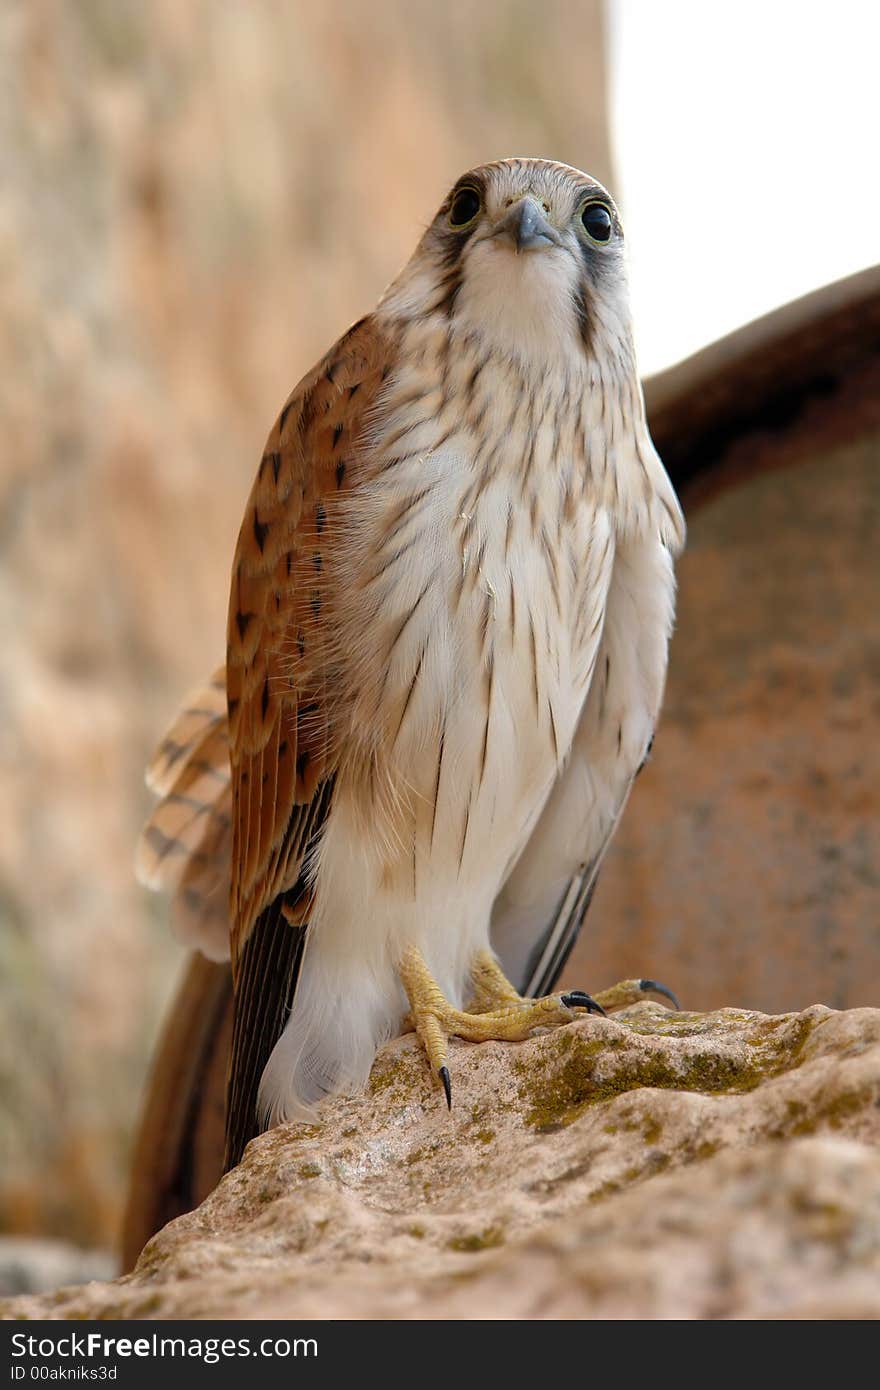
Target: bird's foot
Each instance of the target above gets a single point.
(499, 1013)
(493, 990)
(627, 992)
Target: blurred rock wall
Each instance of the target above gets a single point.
(195, 200)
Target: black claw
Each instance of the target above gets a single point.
(652, 987)
(577, 999)
(447, 1085)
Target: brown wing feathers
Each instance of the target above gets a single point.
(281, 697)
(202, 713)
(185, 846)
(265, 980)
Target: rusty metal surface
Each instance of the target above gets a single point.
(759, 381)
(747, 868)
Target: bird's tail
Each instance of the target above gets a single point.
(185, 848)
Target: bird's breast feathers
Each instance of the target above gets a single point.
(474, 559)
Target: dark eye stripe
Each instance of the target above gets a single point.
(452, 240)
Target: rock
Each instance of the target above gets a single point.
(649, 1165)
(31, 1265)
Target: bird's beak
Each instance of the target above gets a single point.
(527, 227)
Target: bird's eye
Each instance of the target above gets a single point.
(465, 206)
(598, 222)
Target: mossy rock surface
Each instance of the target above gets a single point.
(651, 1164)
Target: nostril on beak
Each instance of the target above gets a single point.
(527, 227)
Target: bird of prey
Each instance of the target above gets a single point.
(452, 597)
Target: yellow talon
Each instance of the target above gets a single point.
(628, 992)
(498, 1011)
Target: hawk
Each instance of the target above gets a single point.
(451, 602)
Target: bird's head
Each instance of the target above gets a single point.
(528, 255)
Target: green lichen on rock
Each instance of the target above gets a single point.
(781, 1051)
(487, 1239)
(401, 1078)
(575, 1073)
(604, 1191)
(422, 1154)
(392, 1083)
(652, 1129)
(655, 1161)
(707, 1148)
(829, 1113)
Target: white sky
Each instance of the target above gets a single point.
(746, 137)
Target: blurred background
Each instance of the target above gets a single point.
(195, 200)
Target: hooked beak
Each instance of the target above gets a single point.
(527, 227)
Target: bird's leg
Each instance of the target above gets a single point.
(492, 989)
(509, 1018)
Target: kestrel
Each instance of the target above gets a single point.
(452, 597)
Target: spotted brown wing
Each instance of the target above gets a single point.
(283, 695)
